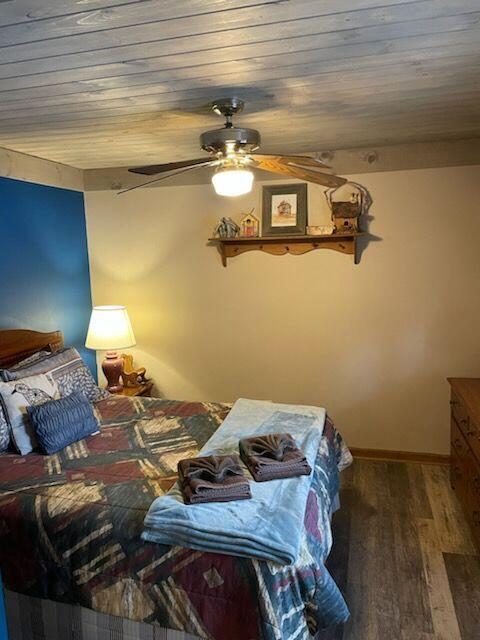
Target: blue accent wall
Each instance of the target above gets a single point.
(44, 272)
(3, 619)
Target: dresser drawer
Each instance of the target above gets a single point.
(466, 425)
(457, 439)
(459, 478)
(465, 448)
(460, 413)
(475, 523)
(473, 475)
(473, 439)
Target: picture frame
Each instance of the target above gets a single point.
(284, 210)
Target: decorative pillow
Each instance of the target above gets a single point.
(4, 426)
(67, 369)
(38, 355)
(43, 364)
(16, 396)
(58, 423)
(16, 370)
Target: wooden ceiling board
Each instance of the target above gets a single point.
(371, 56)
(207, 29)
(153, 82)
(150, 147)
(347, 27)
(324, 74)
(340, 78)
(78, 32)
(108, 83)
(456, 42)
(24, 11)
(129, 149)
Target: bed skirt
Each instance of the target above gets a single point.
(31, 618)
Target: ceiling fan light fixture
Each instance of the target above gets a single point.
(232, 181)
(232, 151)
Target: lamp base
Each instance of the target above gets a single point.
(112, 368)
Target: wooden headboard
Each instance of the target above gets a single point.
(16, 344)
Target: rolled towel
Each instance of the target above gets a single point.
(273, 456)
(212, 479)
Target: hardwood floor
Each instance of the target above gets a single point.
(403, 556)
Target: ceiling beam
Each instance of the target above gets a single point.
(418, 155)
(21, 166)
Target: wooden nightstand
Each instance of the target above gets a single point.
(142, 390)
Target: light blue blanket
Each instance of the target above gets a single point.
(270, 525)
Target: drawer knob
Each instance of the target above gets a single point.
(458, 443)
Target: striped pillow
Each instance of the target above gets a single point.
(58, 423)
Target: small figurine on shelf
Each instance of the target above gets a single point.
(250, 225)
(347, 203)
(226, 228)
(132, 377)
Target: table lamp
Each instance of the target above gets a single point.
(110, 329)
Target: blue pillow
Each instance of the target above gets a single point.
(58, 423)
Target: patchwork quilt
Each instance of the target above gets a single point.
(70, 528)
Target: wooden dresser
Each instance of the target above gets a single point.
(465, 447)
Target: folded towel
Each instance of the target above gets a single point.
(212, 479)
(270, 526)
(273, 456)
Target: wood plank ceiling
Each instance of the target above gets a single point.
(97, 83)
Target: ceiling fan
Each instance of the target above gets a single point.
(232, 155)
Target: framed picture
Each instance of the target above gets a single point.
(284, 210)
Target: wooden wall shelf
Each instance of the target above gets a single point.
(280, 245)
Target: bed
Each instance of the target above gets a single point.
(74, 566)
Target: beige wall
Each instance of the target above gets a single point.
(373, 343)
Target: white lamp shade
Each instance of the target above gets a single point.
(232, 181)
(109, 328)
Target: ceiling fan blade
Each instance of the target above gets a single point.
(211, 162)
(310, 175)
(153, 169)
(304, 161)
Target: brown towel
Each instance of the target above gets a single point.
(273, 456)
(212, 479)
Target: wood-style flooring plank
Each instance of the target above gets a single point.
(419, 497)
(445, 622)
(387, 556)
(454, 536)
(408, 576)
(373, 605)
(464, 578)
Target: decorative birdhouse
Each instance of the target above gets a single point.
(226, 228)
(347, 205)
(250, 226)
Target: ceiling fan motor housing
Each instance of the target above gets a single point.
(236, 138)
